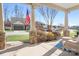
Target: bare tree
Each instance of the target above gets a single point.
(48, 14)
(41, 10)
(6, 13)
(21, 12)
(18, 11)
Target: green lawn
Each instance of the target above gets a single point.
(72, 33)
(23, 38)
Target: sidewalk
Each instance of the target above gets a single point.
(16, 33)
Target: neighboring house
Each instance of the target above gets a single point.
(16, 24)
(19, 24)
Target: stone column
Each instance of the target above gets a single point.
(66, 31)
(1, 19)
(33, 33)
(32, 22)
(2, 34)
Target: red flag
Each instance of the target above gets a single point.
(27, 21)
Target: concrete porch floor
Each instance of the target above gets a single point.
(41, 49)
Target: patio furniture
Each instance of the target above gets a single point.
(72, 45)
(66, 38)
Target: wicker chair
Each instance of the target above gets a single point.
(72, 45)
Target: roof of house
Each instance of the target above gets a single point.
(16, 20)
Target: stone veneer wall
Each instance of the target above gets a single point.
(42, 36)
(66, 32)
(33, 36)
(2, 40)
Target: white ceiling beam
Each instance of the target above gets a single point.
(50, 5)
(73, 8)
(53, 5)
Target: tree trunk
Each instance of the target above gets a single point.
(49, 28)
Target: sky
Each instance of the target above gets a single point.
(73, 17)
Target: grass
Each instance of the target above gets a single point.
(23, 38)
(8, 30)
(72, 33)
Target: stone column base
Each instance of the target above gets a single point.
(33, 37)
(2, 40)
(66, 33)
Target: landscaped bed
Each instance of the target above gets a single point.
(23, 38)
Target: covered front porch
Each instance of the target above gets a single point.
(40, 49)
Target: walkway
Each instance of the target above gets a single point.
(41, 49)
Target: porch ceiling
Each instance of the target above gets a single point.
(60, 6)
(67, 5)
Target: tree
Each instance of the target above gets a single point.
(18, 11)
(6, 13)
(21, 12)
(48, 14)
